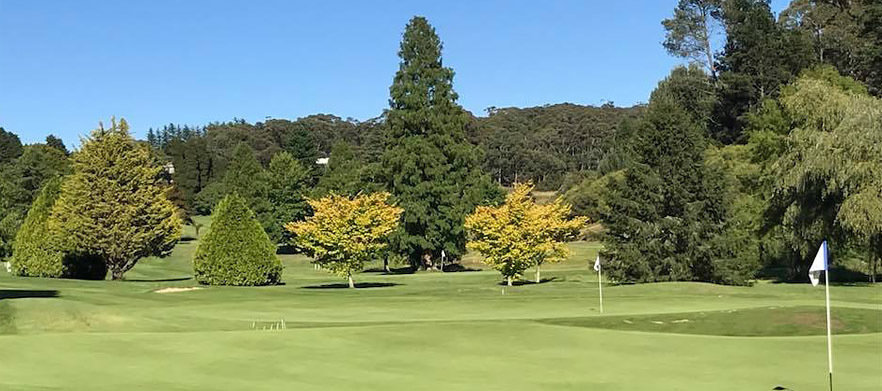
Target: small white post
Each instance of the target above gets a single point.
(600, 288)
(829, 332)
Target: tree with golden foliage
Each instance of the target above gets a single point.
(344, 233)
(520, 234)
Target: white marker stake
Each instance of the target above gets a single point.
(599, 281)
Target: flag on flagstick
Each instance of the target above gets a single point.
(599, 280)
(822, 264)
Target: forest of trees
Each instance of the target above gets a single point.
(728, 172)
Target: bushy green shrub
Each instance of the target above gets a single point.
(34, 253)
(236, 251)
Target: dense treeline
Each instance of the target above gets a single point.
(714, 179)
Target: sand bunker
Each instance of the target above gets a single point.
(176, 290)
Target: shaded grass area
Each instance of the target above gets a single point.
(751, 322)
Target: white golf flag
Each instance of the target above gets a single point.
(597, 263)
(819, 265)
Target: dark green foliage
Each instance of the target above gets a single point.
(194, 167)
(20, 182)
(345, 174)
(430, 167)
(236, 251)
(288, 184)
(759, 57)
(56, 143)
(664, 216)
(35, 253)
(544, 144)
(10, 146)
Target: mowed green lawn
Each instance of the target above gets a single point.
(429, 331)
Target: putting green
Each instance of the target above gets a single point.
(451, 331)
(751, 322)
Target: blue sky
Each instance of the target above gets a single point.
(65, 65)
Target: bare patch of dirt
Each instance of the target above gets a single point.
(176, 290)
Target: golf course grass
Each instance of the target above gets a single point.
(429, 330)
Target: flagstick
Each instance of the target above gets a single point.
(829, 339)
(600, 287)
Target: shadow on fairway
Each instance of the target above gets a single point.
(457, 268)
(531, 282)
(358, 285)
(394, 270)
(839, 277)
(159, 279)
(26, 294)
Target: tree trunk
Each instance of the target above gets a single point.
(351, 283)
(116, 273)
(508, 279)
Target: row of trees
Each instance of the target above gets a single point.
(748, 158)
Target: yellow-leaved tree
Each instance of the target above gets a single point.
(520, 234)
(343, 233)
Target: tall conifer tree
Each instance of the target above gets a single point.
(430, 167)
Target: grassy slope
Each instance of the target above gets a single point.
(427, 330)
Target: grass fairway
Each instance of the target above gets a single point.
(429, 331)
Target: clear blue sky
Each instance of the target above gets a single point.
(65, 65)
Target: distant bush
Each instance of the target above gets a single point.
(237, 251)
(35, 254)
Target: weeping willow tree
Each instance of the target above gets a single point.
(829, 179)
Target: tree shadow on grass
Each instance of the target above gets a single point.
(358, 285)
(159, 279)
(530, 282)
(394, 270)
(457, 268)
(26, 293)
(838, 277)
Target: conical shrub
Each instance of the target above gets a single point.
(236, 251)
(35, 254)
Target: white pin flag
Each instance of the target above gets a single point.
(819, 265)
(822, 264)
(599, 281)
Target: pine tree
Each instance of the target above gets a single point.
(236, 251)
(113, 206)
(343, 175)
(430, 167)
(56, 143)
(669, 205)
(35, 253)
(10, 146)
(288, 184)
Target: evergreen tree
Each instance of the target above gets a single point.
(669, 205)
(430, 167)
(113, 206)
(759, 57)
(288, 184)
(343, 175)
(10, 146)
(20, 183)
(35, 254)
(236, 251)
(56, 143)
